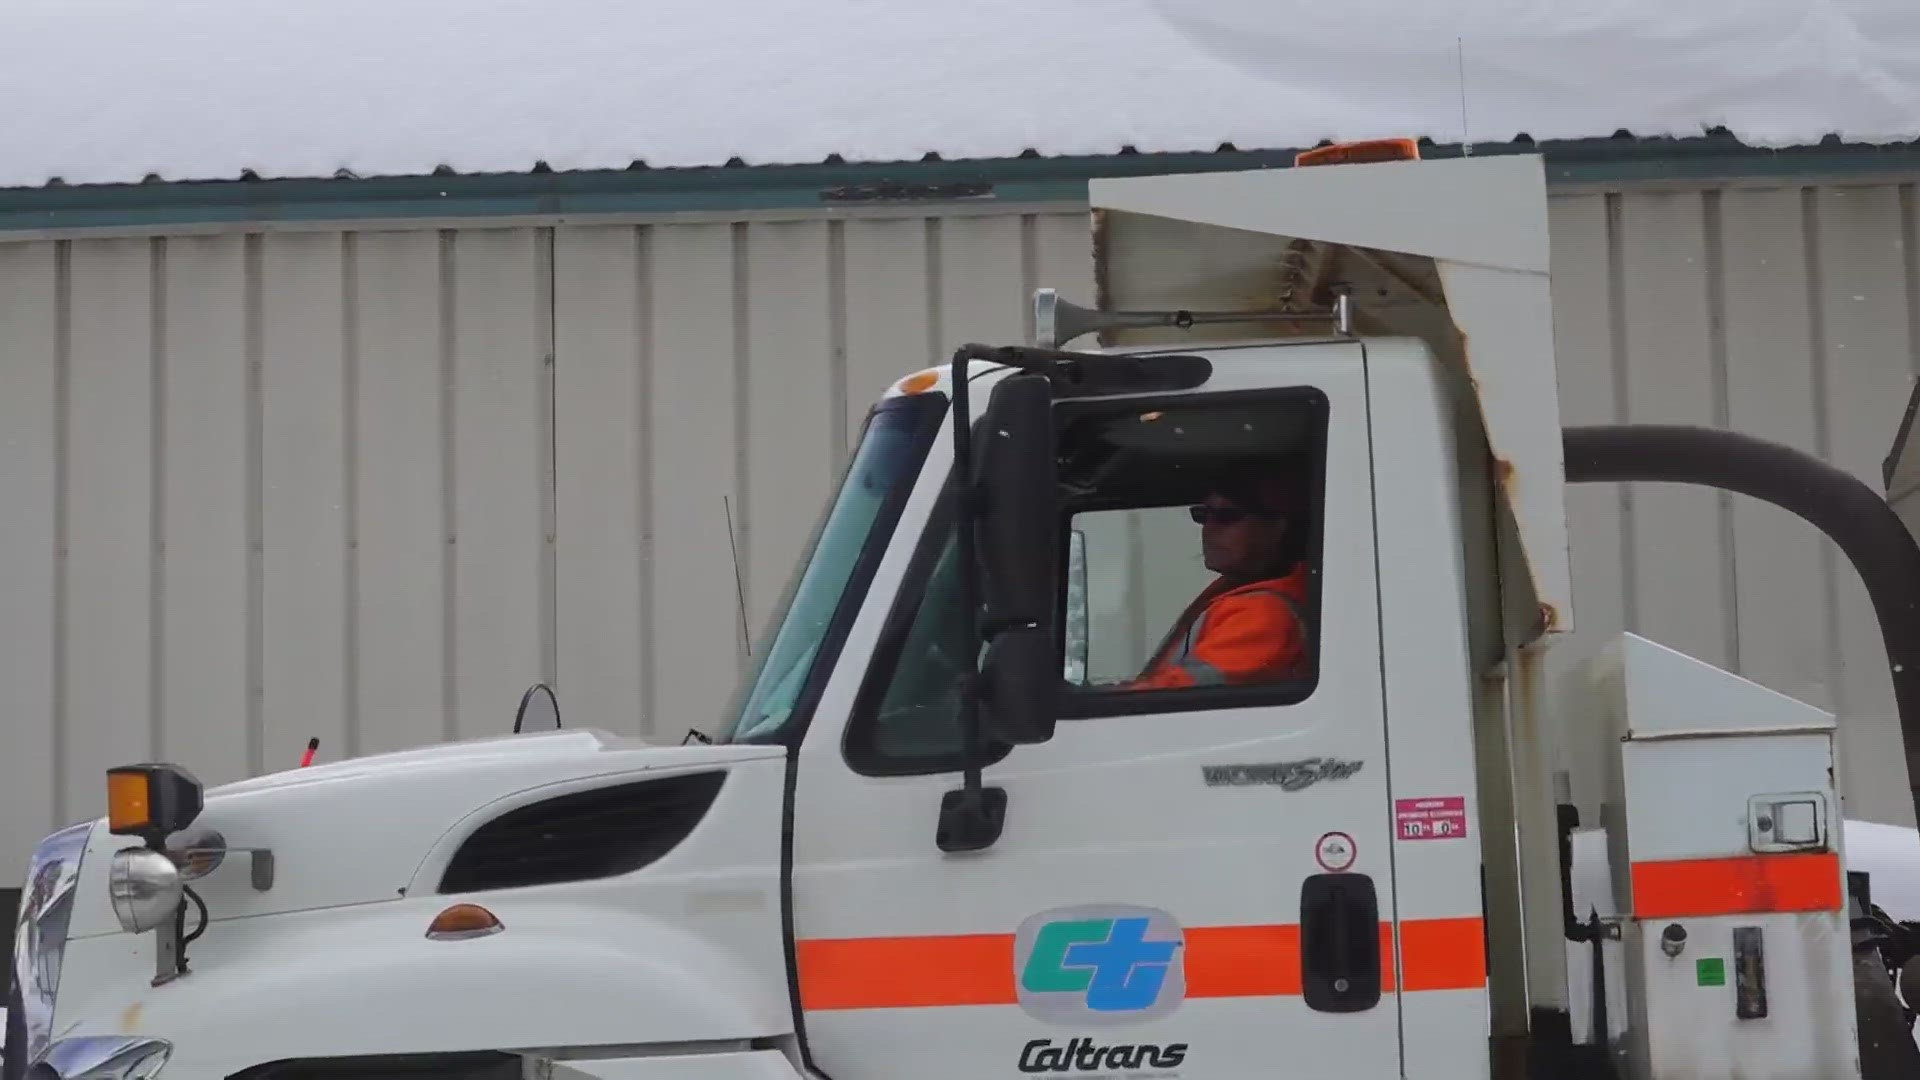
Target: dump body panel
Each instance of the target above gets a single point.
(1455, 251)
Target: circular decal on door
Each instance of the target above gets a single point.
(1335, 852)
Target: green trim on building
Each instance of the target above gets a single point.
(1024, 180)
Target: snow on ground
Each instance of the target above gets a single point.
(111, 90)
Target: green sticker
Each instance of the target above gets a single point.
(1711, 971)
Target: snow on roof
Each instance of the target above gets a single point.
(114, 90)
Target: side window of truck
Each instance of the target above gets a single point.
(1190, 581)
(906, 718)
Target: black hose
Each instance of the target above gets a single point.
(1855, 516)
(200, 929)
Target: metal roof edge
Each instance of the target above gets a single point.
(1028, 179)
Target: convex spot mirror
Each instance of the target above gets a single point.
(1016, 531)
(538, 711)
(1019, 686)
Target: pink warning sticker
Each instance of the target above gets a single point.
(1430, 819)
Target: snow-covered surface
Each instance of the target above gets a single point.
(1891, 854)
(111, 90)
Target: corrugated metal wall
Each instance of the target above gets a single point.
(1786, 312)
(368, 486)
(716, 371)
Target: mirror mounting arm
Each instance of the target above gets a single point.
(1006, 502)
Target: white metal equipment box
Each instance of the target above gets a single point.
(1722, 820)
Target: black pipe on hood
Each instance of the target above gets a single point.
(1856, 517)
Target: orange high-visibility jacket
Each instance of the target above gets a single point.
(1232, 636)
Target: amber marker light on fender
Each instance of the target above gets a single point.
(463, 921)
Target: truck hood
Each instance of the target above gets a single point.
(357, 831)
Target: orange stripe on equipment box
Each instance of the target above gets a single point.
(1747, 885)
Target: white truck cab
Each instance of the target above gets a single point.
(941, 834)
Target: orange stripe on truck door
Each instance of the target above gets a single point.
(1443, 954)
(1747, 885)
(905, 972)
(1243, 961)
(1221, 962)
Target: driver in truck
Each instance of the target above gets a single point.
(1247, 626)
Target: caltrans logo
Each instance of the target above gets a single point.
(1099, 964)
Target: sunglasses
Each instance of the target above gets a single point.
(1219, 515)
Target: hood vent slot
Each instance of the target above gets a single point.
(582, 836)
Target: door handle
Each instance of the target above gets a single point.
(1339, 942)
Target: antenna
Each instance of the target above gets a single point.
(739, 584)
(1466, 137)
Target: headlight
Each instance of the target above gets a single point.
(106, 1057)
(145, 888)
(40, 942)
(46, 941)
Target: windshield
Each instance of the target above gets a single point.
(835, 573)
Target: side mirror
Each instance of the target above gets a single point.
(1020, 686)
(1008, 514)
(1020, 505)
(1019, 514)
(538, 710)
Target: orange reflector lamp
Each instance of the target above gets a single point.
(1365, 150)
(151, 801)
(919, 382)
(462, 921)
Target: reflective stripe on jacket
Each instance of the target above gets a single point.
(1249, 633)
